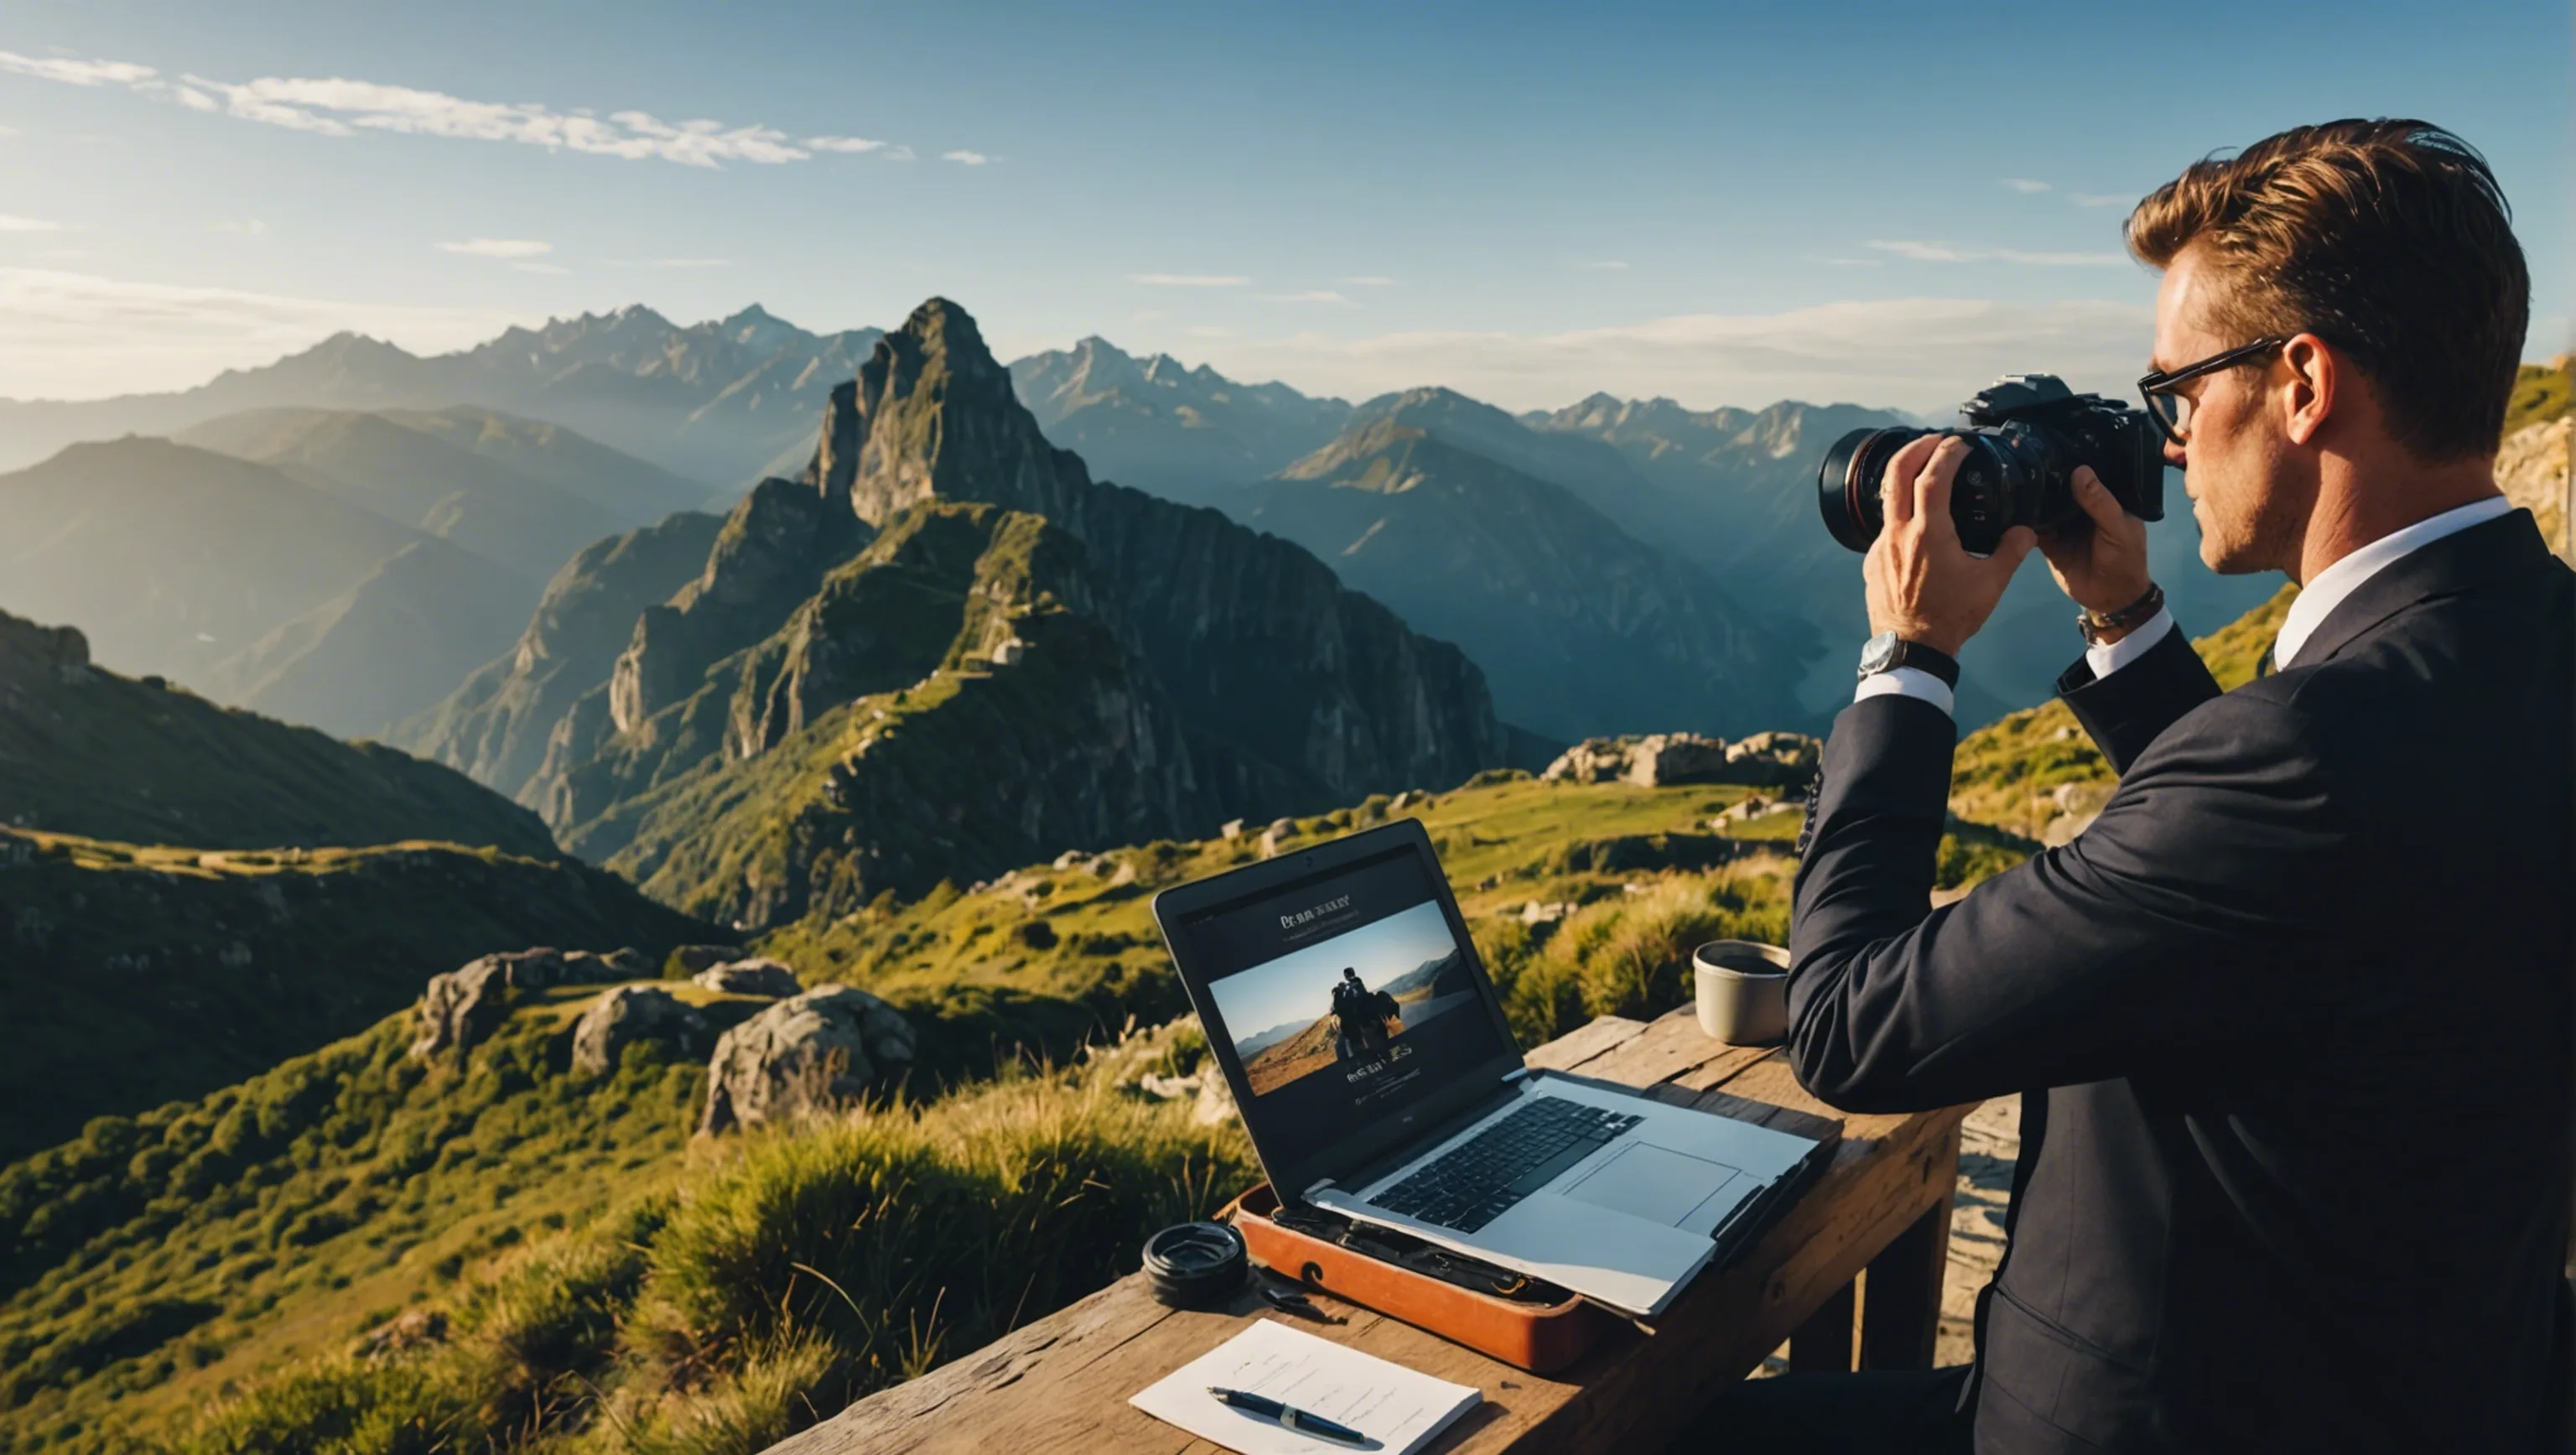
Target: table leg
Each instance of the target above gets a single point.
(1823, 1344)
(1901, 1294)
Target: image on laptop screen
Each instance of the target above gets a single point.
(1344, 994)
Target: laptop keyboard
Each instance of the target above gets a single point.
(1480, 1179)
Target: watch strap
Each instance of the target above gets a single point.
(2093, 623)
(1921, 658)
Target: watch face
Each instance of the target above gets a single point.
(1878, 653)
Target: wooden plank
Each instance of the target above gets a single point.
(1823, 1344)
(1671, 1046)
(1599, 1037)
(1900, 1314)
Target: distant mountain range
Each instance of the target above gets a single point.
(717, 402)
(1616, 565)
(335, 568)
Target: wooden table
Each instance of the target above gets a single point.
(1852, 1269)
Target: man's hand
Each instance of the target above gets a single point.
(1923, 585)
(2103, 569)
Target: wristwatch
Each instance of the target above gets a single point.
(1887, 651)
(2095, 623)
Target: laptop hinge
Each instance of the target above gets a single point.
(1316, 1186)
(1515, 1074)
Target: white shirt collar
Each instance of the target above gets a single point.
(2308, 610)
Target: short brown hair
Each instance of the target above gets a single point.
(2389, 240)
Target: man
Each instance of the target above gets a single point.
(2291, 1020)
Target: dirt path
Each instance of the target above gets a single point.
(1987, 1146)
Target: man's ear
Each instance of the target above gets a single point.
(2316, 380)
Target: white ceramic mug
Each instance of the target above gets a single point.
(1743, 991)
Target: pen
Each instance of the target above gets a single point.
(1288, 1418)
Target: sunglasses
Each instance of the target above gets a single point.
(2172, 411)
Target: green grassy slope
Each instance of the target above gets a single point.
(85, 751)
(206, 1266)
(133, 976)
(2004, 773)
(2541, 392)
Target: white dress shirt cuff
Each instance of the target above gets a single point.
(2106, 660)
(1911, 682)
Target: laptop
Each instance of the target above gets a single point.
(1369, 1057)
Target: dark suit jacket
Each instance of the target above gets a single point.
(2291, 1021)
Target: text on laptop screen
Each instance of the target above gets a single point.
(1345, 995)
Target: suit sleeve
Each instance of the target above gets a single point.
(2188, 913)
(2127, 710)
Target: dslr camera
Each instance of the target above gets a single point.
(2026, 433)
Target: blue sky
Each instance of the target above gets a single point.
(1725, 204)
(1299, 986)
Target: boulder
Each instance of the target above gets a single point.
(1764, 760)
(751, 977)
(817, 1052)
(461, 1007)
(690, 959)
(632, 1013)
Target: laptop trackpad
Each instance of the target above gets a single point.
(1651, 1182)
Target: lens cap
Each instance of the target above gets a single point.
(1196, 1265)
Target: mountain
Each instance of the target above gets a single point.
(631, 490)
(1591, 471)
(139, 975)
(1742, 493)
(416, 479)
(1081, 665)
(495, 726)
(1156, 424)
(381, 650)
(174, 558)
(85, 751)
(1582, 628)
(711, 401)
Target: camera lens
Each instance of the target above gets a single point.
(1847, 482)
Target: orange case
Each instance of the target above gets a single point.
(1541, 1338)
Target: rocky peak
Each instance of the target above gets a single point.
(933, 416)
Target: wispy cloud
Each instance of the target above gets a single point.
(76, 335)
(1190, 280)
(1312, 295)
(27, 224)
(250, 227)
(1606, 264)
(674, 263)
(7, 132)
(1915, 353)
(2025, 184)
(965, 158)
(1148, 315)
(539, 268)
(1203, 330)
(499, 247)
(76, 73)
(341, 107)
(1369, 280)
(1942, 252)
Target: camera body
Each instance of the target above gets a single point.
(2026, 435)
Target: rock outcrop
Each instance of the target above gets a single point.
(751, 977)
(631, 1013)
(1764, 760)
(465, 1005)
(820, 1051)
(2531, 469)
(495, 727)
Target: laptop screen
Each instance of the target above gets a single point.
(1346, 998)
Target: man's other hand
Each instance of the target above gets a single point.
(1923, 585)
(2104, 569)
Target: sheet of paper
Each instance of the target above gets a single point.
(1397, 1408)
